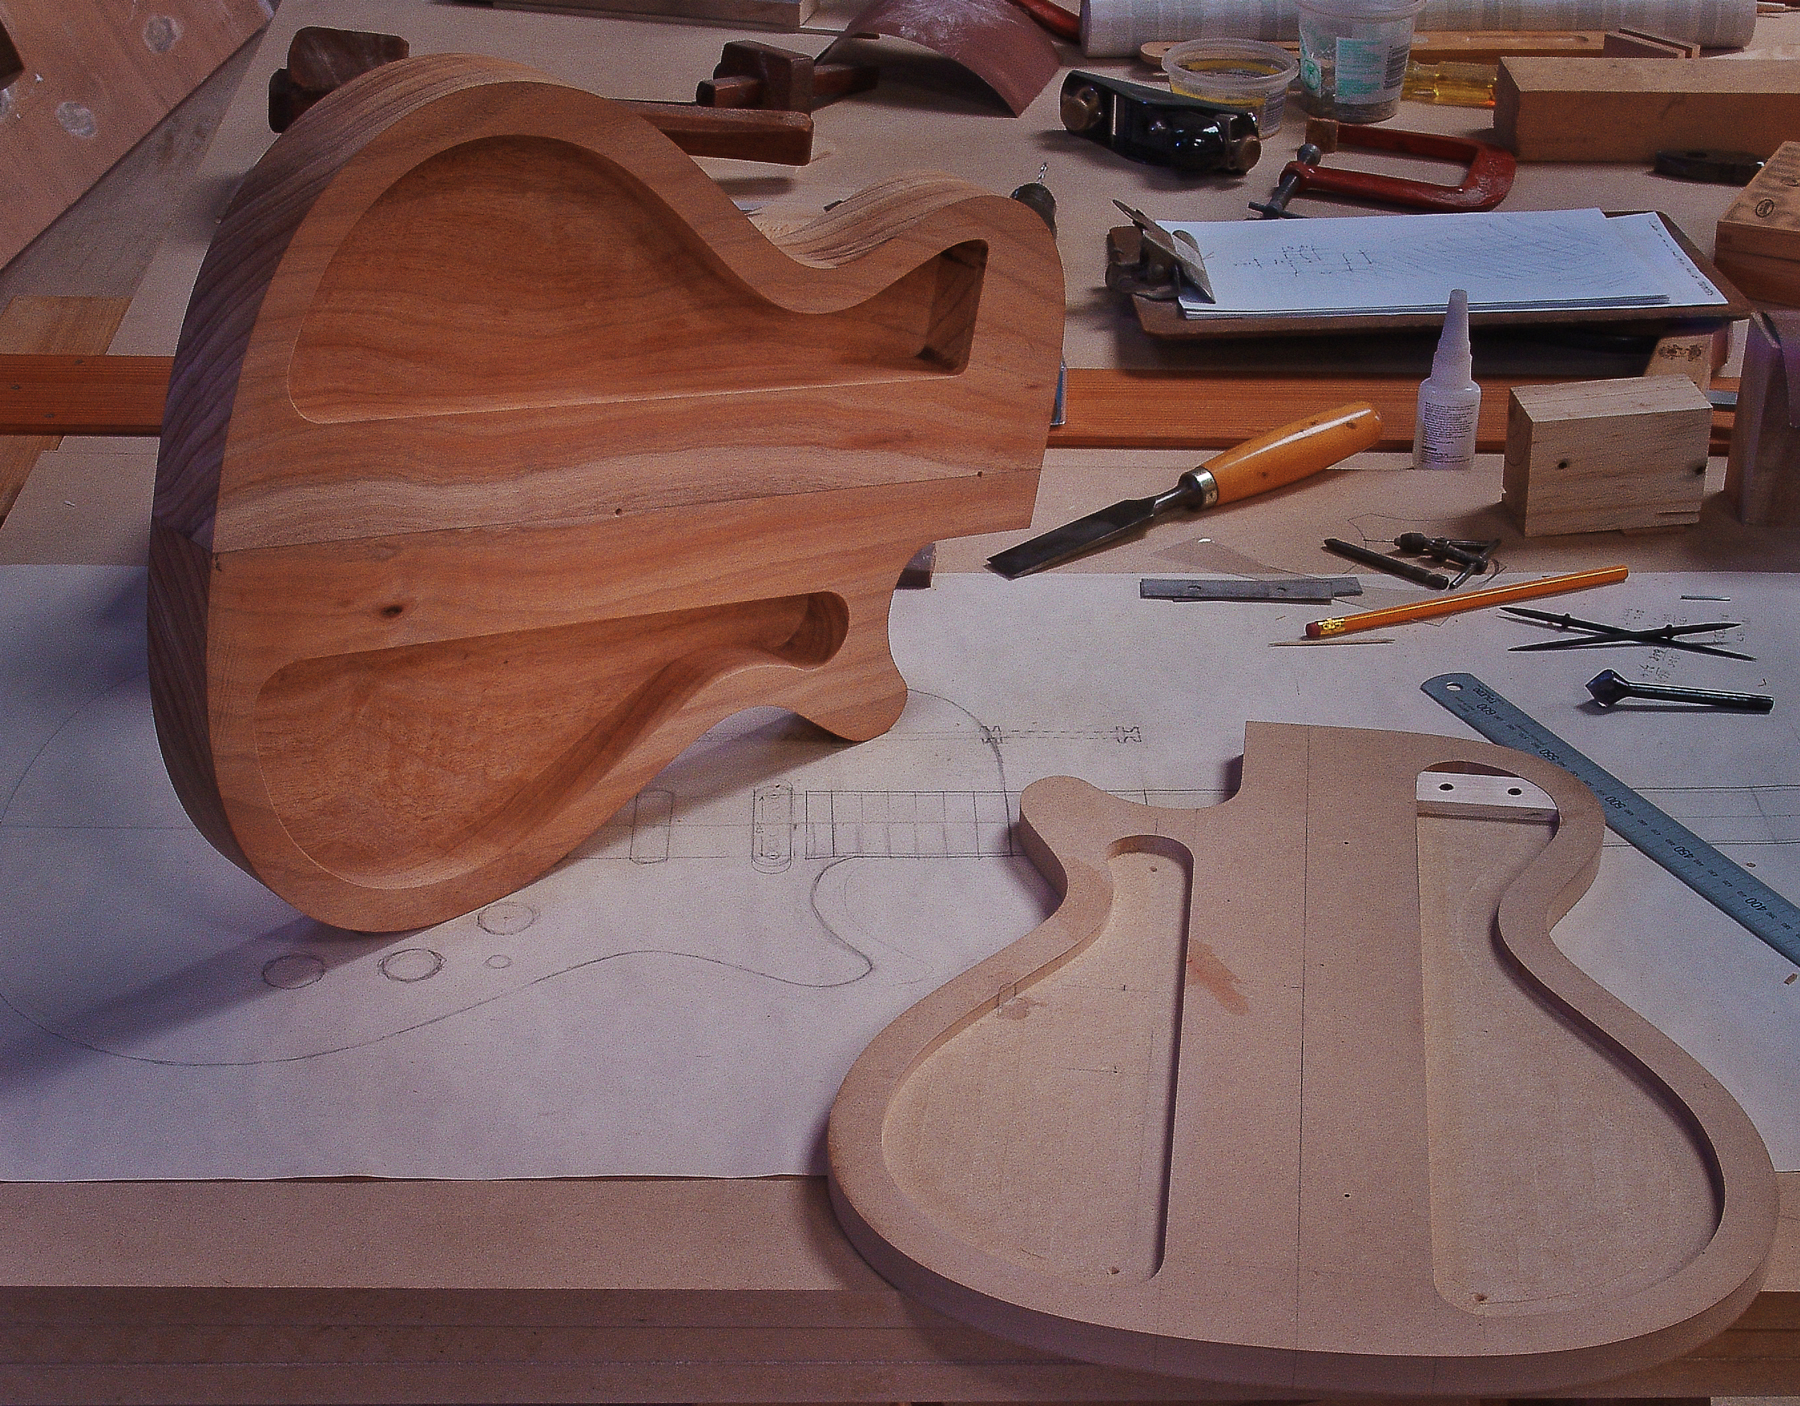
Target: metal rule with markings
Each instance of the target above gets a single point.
(1671, 844)
(1318, 589)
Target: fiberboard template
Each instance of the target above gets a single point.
(1296, 1091)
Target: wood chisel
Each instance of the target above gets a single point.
(1281, 456)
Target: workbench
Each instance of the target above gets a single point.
(676, 1289)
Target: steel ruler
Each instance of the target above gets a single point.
(1666, 840)
(1318, 589)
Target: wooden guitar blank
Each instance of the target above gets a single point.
(1296, 1092)
(503, 456)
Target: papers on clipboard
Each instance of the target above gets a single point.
(1549, 260)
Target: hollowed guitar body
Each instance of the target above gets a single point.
(504, 456)
(1296, 1093)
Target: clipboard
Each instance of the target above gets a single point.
(1164, 319)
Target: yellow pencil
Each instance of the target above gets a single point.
(1450, 605)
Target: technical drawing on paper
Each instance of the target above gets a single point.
(682, 995)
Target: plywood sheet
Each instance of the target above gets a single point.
(93, 79)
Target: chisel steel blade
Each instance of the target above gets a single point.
(1061, 543)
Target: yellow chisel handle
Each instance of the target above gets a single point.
(1290, 453)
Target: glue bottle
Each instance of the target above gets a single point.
(1449, 399)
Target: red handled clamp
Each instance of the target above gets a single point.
(1489, 174)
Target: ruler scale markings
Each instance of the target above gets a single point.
(1660, 836)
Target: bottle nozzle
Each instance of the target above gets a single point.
(1453, 361)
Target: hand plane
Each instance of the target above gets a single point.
(1157, 127)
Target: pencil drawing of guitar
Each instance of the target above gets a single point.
(504, 456)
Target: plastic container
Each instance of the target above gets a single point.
(1237, 73)
(1449, 398)
(1353, 56)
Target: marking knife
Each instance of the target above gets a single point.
(1272, 460)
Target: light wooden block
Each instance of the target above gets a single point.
(1762, 476)
(1630, 109)
(1596, 456)
(1758, 238)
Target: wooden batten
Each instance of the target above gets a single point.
(1296, 1093)
(1555, 109)
(520, 457)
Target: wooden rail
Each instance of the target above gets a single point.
(1107, 409)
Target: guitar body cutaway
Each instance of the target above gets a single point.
(504, 456)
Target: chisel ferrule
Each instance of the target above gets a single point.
(1200, 488)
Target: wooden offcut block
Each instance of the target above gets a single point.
(1630, 109)
(1595, 456)
(1758, 240)
(1762, 476)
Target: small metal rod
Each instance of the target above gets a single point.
(1406, 570)
(1608, 687)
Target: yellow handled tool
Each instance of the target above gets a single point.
(1271, 460)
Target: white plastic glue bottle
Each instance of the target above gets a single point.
(1449, 399)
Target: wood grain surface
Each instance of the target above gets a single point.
(1108, 408)
(46, 326)
(1630, 109)
(103, 76)
(503, 456)
(1600, 456)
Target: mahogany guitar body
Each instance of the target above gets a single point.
(504, 456)
(1295, 1092)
